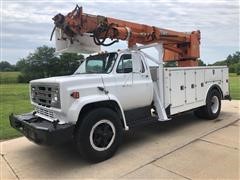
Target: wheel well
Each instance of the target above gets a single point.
(108, 104)
(216, 87)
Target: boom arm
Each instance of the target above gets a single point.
(178, 46)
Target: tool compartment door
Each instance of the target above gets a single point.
(190, 86)
(200, 85)
(177, 88)
(225, 81)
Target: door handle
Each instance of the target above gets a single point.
(145, 75)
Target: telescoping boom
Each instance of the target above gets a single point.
(182, 47)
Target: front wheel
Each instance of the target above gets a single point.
(212, 108)
(99, 135)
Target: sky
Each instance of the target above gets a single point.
(27, 24)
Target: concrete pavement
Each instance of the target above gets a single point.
(184, 148)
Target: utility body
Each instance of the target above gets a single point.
(113, 92)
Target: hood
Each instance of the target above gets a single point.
(70, 78)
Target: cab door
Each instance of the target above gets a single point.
(133, 87)
(142, 80)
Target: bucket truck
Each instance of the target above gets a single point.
(113, 92)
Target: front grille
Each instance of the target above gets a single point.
(46, 112)
(44, 95)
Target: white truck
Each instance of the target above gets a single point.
(113, 92)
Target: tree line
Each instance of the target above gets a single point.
(6, 66)
(232, 61)
(44, 63)
(174, 63)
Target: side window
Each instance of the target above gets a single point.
(125, 64)
(94, 66)
(138, 66)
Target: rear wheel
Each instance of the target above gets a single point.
(99, 135)
(212, 108)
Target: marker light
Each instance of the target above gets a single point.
(75, 94)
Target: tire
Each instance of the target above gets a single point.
(99, 135)
(212, 108)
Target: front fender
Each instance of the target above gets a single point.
(114, 98)
(77, 105)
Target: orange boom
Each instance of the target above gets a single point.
(178, 46)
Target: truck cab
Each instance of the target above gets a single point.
(113, 92)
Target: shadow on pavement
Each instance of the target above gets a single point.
(131, 138)
(65, 158)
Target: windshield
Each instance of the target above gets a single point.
(101, 63)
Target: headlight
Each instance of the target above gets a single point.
(55, 97)
(32, 92)
(55, 101)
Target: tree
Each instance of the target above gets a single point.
(238, 69)
(174, 63)
(201, 63)
(232, 68)
(6, 66)
(43, 63)
(21, 64)
(69, 62)
(232, 61)
(170, 64)
(36, 65)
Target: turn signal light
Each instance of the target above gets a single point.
(75, 95)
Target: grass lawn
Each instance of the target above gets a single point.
(9, 77)
(14, 98)
(234, 86)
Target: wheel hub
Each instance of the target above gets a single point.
(102, 135)
(214, 104)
